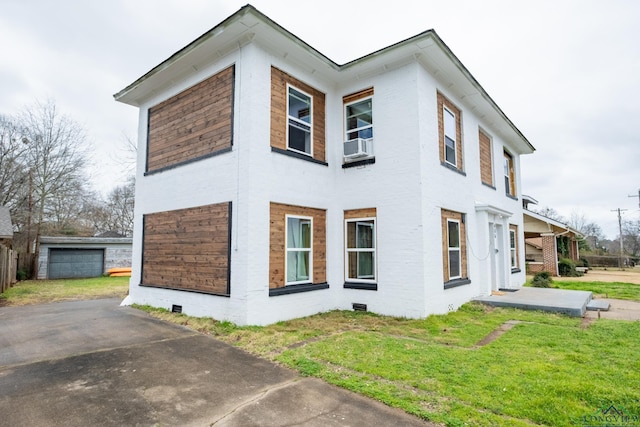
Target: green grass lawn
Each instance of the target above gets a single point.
(618, 290)
(548, 370)
(44, 291)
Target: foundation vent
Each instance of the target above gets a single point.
(359, 307)
(176, 308)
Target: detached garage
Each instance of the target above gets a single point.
(76, 257)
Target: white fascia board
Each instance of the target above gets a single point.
(248, 25)
(563, 227)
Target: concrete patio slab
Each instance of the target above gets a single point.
(572, 303)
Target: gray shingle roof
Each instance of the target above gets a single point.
(6, 228)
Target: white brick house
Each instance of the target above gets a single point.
(248, 209)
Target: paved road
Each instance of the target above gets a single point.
(94, 363)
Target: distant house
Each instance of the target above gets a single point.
(7, 257)
(76, 257)
(546, 240)
(275, 183)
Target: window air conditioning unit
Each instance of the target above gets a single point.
(358, 148)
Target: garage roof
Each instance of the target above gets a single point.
(6, 227)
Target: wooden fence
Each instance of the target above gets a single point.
(8, 265)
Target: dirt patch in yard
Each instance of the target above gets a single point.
(629, 275)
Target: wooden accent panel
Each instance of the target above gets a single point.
(279, 80)
(446, 214)
(277, 244)
(360, 213)
(444, 102)
(192, 124)
(347, 99)
(486, 165)
(512, 175)
(188, 249)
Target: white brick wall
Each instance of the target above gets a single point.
(407, 185)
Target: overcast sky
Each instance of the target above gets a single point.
(567, 73)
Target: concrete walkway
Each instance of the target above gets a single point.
(572, 303)
(619, 309)
(94, 363)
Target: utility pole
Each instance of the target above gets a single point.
(620, 262)
(638, 196)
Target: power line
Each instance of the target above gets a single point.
(638, 196)
(620, 263)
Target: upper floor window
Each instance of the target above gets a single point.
(449, 136)
(361, 249)
(299, 253)
(509, 175)
(358, 125)
(299, 117)
(359, 121)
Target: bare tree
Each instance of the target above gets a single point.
(14, 174)
(551, 214)
(590, 230)
(119, 204)
(631, 235)
(56, 156)
(115, 213)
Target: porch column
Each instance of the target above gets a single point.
(573, 251)
(549, 253)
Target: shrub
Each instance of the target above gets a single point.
(567, 268)
(542, 280)
(21, 275)
(583, 262)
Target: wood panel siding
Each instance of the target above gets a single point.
(347, 99)
(188, 249)
(279, 81)
(447, 214)
(360, 213)
(277, 244)
(193, 124)
(486, 163)
(511, 188)
(444, 102)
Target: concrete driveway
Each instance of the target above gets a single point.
(94, 363)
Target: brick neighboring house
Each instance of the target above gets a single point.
(274, 183)
(542, 249)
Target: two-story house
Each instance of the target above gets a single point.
(273, 183)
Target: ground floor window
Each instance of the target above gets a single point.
(360, 259)
(453, 250)
(513, 245)
(299, 249)
(454, 247)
